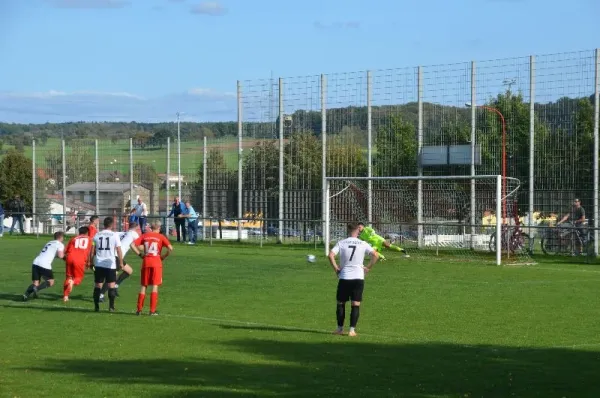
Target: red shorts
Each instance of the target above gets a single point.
(75, 271)
(152, 276)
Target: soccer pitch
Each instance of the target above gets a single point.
(239, 320)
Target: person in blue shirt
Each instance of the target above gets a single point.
(176, 211)
(192, 219)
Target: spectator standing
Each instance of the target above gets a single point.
(1, 220)
(577, 218)
(192, 218)
(176, 210)
(17, 210)
(140, 210)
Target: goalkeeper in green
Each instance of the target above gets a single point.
(378, 242)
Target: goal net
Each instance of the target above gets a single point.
(446, 217)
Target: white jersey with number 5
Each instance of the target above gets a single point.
(46, 256)
(106, 243)
(352, 253)
(127, 238)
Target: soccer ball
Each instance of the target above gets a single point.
(311, 258)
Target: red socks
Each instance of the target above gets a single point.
(140, 303)
(67, 289)
(153, 301)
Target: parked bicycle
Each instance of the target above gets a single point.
(567, 240)
(512, 237)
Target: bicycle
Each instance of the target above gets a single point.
(512, 237)
(563, 240)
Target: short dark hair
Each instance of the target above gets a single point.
(84, 230)
(93, 218)
(108, 222)
(133, 224)
(352, 226)
(360, 224)
(58, 235)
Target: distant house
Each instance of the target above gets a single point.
(173, 180)
(113, 196)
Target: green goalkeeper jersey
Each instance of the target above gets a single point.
(368, 234)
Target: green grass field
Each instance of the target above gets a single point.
(241, 321)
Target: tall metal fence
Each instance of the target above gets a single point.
(534, 118)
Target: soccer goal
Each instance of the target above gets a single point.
(460, 218)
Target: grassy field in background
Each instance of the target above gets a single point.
(241, 321)
(191, 154)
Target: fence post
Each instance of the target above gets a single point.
(498, 220)
(281, 163)
(168, 183)
(323, 149)
(419, 154)
(64, 185)
(473, 146)
(240, 159)
(131, 190)
(97, 163)
(531, 140)
(596, 146)
(369, 148)
(33, 193)
(204, 185)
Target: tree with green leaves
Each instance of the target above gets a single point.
(16, 178)
(396, 145)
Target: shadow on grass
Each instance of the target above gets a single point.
(351, 368)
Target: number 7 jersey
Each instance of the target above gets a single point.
(352, 253)
(153, 243)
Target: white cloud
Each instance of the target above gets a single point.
(82, 4)
(212, 8)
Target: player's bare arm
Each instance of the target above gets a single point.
(61, 254)
(373, 261)
(333, 262)
(167, 253)
(120, 255)
(136, 250)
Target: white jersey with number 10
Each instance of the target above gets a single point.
(352, 253)
(106, 243)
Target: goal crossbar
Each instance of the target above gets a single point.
(498, 180)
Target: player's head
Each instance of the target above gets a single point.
(84, 230)
(156, 226)
(109, 222)
(353, 229)
(133, 226)
(188, 204)
(360, 226)
(59, 236)
(94, 220)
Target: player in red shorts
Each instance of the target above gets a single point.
(152, 243)
(77, 257)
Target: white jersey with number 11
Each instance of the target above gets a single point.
(106, 243)
(352, 253)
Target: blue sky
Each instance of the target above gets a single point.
(147, 59)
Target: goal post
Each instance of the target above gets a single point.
(431, 215)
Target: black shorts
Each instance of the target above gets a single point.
(350, 290)
(37, 273)
(107, 275)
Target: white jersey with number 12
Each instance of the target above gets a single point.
(106, 243)
(352, 253)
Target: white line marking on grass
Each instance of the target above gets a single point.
(311, 330)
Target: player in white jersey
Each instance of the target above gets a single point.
(128, 240)
(42, 265)
(107, 258)
(351, 275)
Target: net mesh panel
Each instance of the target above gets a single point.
(446, 212)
